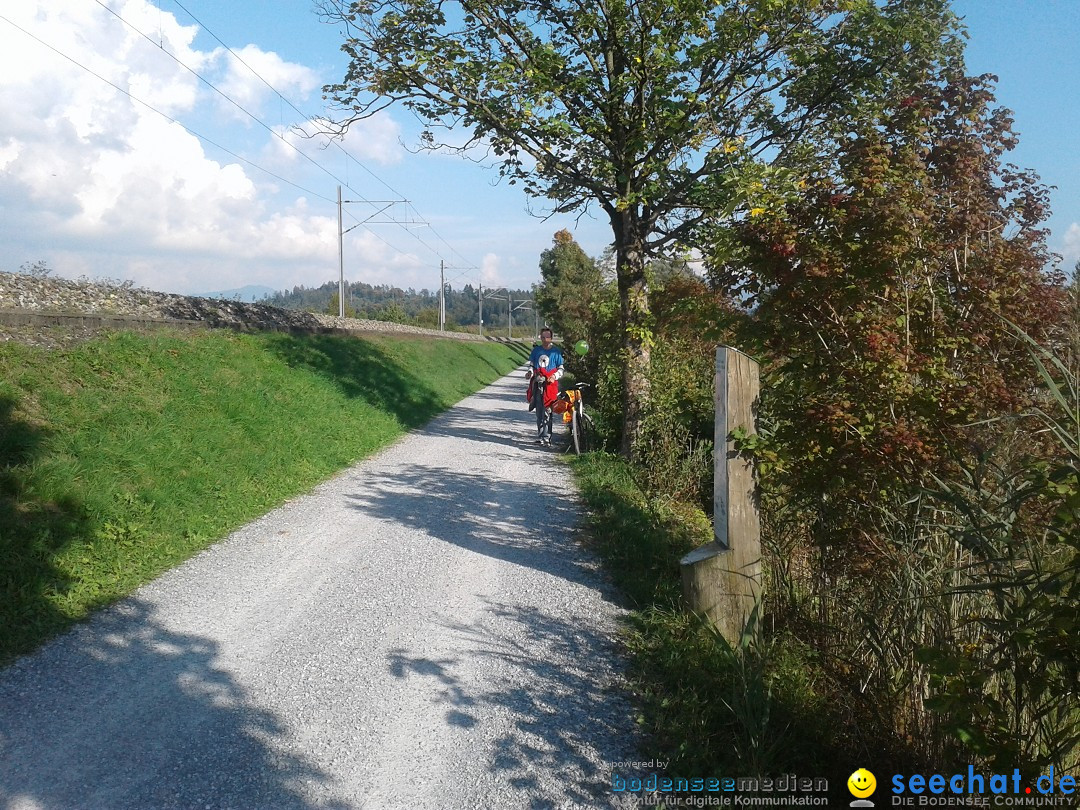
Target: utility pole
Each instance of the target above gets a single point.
(525, 303)
(442, 295)
(386, 204)
(340, 259)
(443, 267)
(491, 294)
(480, 303)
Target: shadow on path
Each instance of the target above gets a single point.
(564, 719)
(126, 713)
(512, 427)
(509, 520)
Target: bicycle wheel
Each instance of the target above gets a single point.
(579, 432)
(588, 433)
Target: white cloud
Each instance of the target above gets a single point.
(98, 184)
(489, 270)
(376, 139)
(249, 91)
(371, 258)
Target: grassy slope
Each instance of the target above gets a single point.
(124, 456)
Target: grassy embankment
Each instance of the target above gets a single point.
(125, 455)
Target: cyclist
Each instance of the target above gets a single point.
(545, 370)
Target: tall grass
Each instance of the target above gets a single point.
(709, 707)
(1010, 694)
(955, 637)
(125, 455)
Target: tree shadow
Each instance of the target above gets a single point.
(519, 350)
(33, 530)
(124, 712)
(490, 503)
(508, 520)
(562, 715)
(363, 371)
(505, 426)
(500, 415)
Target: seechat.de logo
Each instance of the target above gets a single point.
(862, 784)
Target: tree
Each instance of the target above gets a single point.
(885, 292)
(651, 110)
(571, 283)
(334, 306)
(905, 498)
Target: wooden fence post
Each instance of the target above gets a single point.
(722, 579)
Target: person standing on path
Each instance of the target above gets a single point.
(545, 370)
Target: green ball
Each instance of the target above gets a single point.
(581, 347)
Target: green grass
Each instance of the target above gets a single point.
(709, 709)
(123, 456)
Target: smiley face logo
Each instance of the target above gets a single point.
(861, 783)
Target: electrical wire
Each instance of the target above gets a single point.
(164, 115)
(272, 131)
(333, 142)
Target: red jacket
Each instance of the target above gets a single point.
(551, 390)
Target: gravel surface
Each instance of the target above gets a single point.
(422, 631)
(63, 300)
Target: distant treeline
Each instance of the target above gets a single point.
(386, 303)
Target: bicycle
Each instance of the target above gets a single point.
(568, 404)
(571, 405)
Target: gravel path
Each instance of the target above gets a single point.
(422, 631)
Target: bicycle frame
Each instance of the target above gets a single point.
(573, 414)
(570, 404)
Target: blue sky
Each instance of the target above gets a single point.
(1033, 47)
(96, 184)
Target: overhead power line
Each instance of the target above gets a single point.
(193, 132)
(336, 143)
(164, 115)
(274, 133)
(275, 91)
(256, 119)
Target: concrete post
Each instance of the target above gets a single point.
(722, 579)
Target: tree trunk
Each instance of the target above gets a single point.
(636, 326)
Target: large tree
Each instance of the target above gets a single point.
(660, 112)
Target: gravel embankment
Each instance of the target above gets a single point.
(23, 294)
(422, 631)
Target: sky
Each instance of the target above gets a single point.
(159, 143)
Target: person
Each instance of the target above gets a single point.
(545, 370)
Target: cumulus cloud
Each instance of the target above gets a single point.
(97, 183)
(489, 269)
(252, 75)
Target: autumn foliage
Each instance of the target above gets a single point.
(883, 291)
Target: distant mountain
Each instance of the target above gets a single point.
(250, 293)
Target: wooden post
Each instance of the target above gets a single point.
(722, 579)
